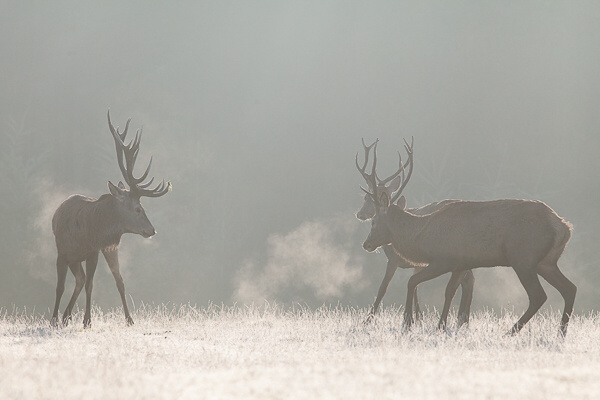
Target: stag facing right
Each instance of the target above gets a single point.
(83, 226)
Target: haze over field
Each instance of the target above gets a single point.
(255, 111)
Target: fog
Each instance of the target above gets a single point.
(255, 112)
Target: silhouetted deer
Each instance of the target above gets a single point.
(84, 226)
(367, 211)
(526, 235)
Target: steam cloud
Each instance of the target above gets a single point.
(41, 259)
(315, 256)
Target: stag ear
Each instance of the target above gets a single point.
(395, 185)
(402, 202)
(117, 191)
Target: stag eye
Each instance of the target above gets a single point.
(138, 210)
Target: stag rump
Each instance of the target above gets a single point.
(84, 226)
(390, 186)
(526, 235)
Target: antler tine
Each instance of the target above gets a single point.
(145, 185)
(410, 163)
(395, 174)
(131, 153)
(160, 190)
(373, 169)
(367, 150)
(369, 178)
(119, 145)
(145, 174)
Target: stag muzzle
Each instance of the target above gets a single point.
(361, 215)
(369, 246)
(149, 234)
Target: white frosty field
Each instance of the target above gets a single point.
(186, 352)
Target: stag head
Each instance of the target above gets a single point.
(388, 185)
(381, 196)
(130, 210)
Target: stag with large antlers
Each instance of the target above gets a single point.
(390, 186)
(84, 226)
(526, 235)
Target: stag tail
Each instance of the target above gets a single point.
(130, 152)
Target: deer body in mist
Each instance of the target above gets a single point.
(526, 235)
(368, 210)
(84, 226)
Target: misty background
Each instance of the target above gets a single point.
(255, 112)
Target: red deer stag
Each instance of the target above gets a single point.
(526, 235)
(367, 211)
(84, 226)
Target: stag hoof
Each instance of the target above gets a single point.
(513, 331)
(66, 319)
(419, 315)
(129, 321)
(369, 319)
(408, 322)
(54, 322)
(463, 321)
(87, 322)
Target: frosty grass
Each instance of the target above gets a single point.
(268, 352)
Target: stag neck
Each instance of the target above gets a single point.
(405, 228)
(104, 218)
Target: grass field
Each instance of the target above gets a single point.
(185, 352)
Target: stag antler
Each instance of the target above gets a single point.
(370, 178)
(395, 174)
(130, 151)
(410, 163)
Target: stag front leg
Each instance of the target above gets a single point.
(90, 268)
(77, 270)
(389, 274)
(112, 258)
(466, 298)
(455, 280)
(430, 272)
(61, 272)
(418, 312)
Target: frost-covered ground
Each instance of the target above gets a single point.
(186, 352)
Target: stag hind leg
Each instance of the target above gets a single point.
(61, 271)
(530, 281)
(567, 289)
(77, 271)
(90, 267)
(112, 258)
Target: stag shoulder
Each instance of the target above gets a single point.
(83, 224)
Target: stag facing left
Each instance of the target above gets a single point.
(84, 226)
